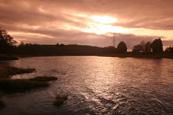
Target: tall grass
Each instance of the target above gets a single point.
(8, 57)
(7, 71)
(10, 85)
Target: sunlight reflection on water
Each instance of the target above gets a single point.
(96, 85)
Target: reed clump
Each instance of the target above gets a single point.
(60, 99)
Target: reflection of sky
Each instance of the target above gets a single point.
(87, 22)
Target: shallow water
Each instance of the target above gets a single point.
(95, 85)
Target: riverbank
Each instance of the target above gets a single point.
(142, 55)
(123, 55)
(14, 85)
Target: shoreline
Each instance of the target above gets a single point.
(4, 57)
(142, 55)
(121, 55)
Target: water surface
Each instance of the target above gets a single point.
(95, 86)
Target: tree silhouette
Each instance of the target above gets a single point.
(122, 48)
(137, 48)
(22, 44)
(147, 47)
(157, 46)
(6, 41)
(169, 49)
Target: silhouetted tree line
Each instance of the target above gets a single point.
(61, 49)
(59, 45)
(156, 47)
(169, 49)
(8, 45)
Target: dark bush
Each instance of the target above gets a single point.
(157, 46)
(122, 48)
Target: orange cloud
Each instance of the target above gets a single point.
(66, 21)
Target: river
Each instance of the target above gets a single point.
(95, 86)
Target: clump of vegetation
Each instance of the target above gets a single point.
(19, 85)
(43, 78)
(7, 71)
(60, 99)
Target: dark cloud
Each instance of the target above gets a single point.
(155, 14)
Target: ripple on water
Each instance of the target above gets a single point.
(96, 86)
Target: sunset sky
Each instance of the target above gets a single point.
(88, 22)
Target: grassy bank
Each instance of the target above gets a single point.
(8, 85)
(8, 57)
(7, 71)
(19, 85)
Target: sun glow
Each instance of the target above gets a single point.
(102, 28)
(103, 19)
